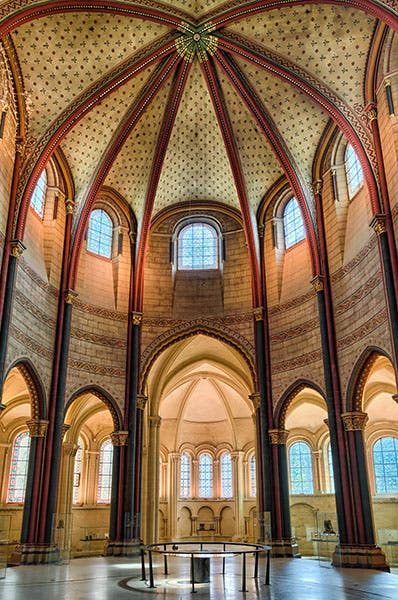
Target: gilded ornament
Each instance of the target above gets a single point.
(196, 42)
(354, 421)
(378, 223)
(37, 427)
(278, 436)
(136, 318)
(70, 296)
(317, 283)
(17, 248)
(317, 186)
(69, 206)
(258, 313)
(119, 438)
(372, 114)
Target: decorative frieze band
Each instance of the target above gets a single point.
(354, 421)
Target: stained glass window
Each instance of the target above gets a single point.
(197, 247)
(105, 473)
(77, 472)
(385, 461)
(38, 199)
(353, 171)
(99, 235)
(300, 460)
(226, 475)
(293, 224)
(205, 476)
(253, 486)
(185, 476)
(19, 468)
(330, 468)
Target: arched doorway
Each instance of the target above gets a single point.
(200, 415)
(82, 520)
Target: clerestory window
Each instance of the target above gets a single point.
(99, 233)
(293, 224)
(197, 247)
(19, 468)
(38, 199)
(353, 171)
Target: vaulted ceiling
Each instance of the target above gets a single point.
(192, 99)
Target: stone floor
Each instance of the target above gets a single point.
(114, 579)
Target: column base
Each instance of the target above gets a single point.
(123, 548)
(35, 554)
(286, 548)
(360, 557)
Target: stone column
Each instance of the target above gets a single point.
(16, 248)
(174, 492)
(354, 425)
(65, 495)
(216, 479)
(153, 479)
(238, 491)
(284, 546)
(316, 466)
(141, 403)
(119, 441)
(380, 226)
(255, 398)
(37, 431)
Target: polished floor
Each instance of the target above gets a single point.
(114, 579)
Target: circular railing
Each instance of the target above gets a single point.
(196, 551)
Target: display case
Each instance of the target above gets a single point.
(325, 537)
(62, 536)
(92, 540)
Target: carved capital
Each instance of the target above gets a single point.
(317, 186)
(372, 113)
(69, 206)
(278, 436)
(395, 397)
(155, 421)
(136, 318)
(65, 428)
(20, 145)
(258, 313)
(119, 438)
(317, 283)
(326, 421)
(70, 448)
(378, 223)
(17, 248)
(354, 421)
(37, 427)
(70, 296)
(141, 401)
(255, 398)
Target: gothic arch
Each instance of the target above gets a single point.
(359, 377)
(34, 384)
(287, 398)
(167, 339)
(104, 397)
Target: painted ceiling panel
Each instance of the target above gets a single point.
(131, 170)
(85, 144)
(196, 166)
(299, 121)
(60, 56)
(260, 166)
(331, 42)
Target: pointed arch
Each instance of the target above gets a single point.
(287, 398)
(223, 334)
(359, 376)
(102, 395)
(34, 384)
